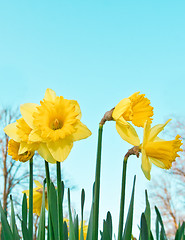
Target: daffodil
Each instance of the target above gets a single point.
(135, 109)
(37, 198)
(55, 125)
(19, 132)
(157, 151)
(13, 151)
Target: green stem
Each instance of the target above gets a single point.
(122, 203)
(97, 185)
(50, 228)
(47, 176)
(59, 202)
(30, 219)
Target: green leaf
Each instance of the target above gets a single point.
(25, 232)
(159, 218)
(53, 209)
(90, 224)
(180, 232)
(147, 213)
(128, 226)
(144, 228)
(157, 228)
(24, 209)
(41, 230)
(65, 231)
(82, 209)
(109, 224)
(13, 223)
(76, 227)
(5, 225)
(71, 225)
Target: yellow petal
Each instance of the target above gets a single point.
(11, 131)
(23, 148)
(37, 202)
(27, 111)
(146, 132)
(60, 149)
(128, 133)
(77, 108)
(146, 165)
(38, 184)
(34, 136)
(45, 153)
(122, 121)
(157, 162)
(81, 132)
(120, 108)
(26, 191)
(50, 95)
(156, 130)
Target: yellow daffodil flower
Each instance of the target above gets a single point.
(136, 109)
(19, 132)
(37, 198)
(13, 151)
(55, 125)
(157, 151)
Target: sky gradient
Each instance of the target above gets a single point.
(96, 52)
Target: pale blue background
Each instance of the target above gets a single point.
(96, 52)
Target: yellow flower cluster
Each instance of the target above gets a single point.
(137, 109)
(50, 128)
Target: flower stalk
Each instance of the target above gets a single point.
(132, 151)
(59, 202)
(97, 185)
(30, 219)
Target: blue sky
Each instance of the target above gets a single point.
(96, 52)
